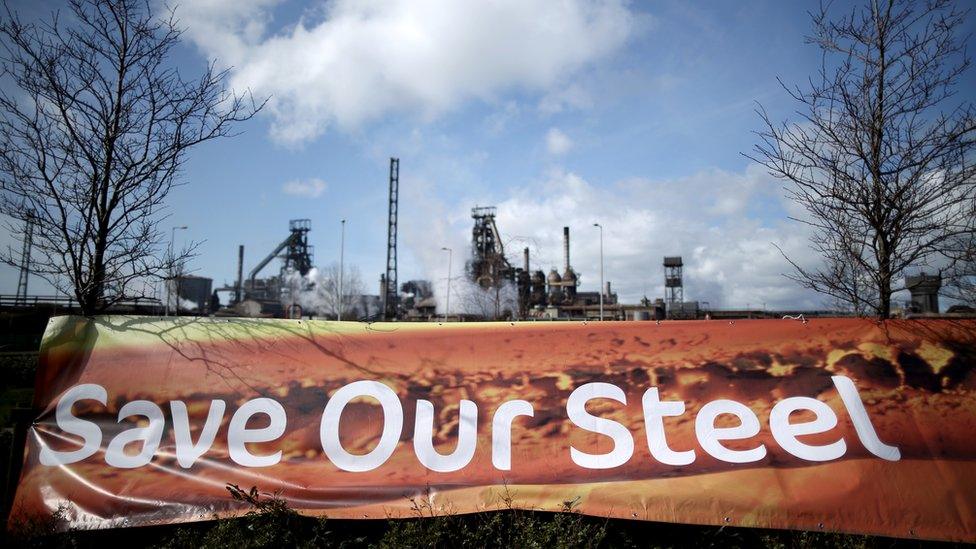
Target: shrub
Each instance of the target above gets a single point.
(507, 526)
(269, 523)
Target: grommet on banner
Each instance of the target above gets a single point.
(731, 323)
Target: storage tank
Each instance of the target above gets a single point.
(569, 285)
(925, 292)
(555, 287)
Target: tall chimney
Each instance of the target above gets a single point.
(607, 291)
(239, 290)
(526, 268)
(566, 246)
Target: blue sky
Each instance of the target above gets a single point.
(633, 115)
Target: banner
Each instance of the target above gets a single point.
(833, 424)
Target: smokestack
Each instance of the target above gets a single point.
(239, 290)
(566, 246)
(608, 289)
(526, 252)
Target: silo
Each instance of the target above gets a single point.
(569, 286)
(538, 288)
(555, 287)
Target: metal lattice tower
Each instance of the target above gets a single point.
(390, 295)
(488, 267)
(25, 260)
(673, 286)
(299, 254)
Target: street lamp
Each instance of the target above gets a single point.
(597, 225)
(172, 276)
(450, 257)
(342, 251)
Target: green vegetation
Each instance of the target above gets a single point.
(271, 523)
(16, 383)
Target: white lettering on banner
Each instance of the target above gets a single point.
(392, 426)
(423, 438)
(72, 425)
(501, 432)
(654, 413)
(862, 422)
(150, 436)
(710, 437)
(785, 433)
(187, 452)
(623, 441)
(238, 434)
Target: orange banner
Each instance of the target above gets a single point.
(835, 425)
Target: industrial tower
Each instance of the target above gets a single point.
(390, 295)
(25, 260)
(295, 253)
(298, 256)
(673, 286)
(489, 267)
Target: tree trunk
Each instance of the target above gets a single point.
(884, 291)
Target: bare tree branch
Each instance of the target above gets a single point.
(94, 139)
(881, 157)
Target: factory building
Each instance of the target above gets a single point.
(540, 296)
(191, 294)
(924, 289)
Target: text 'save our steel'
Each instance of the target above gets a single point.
(837, 424)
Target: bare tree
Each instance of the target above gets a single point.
(881, 158)
(319, 292)
(92, 139)
(960, 278)
(496, 302)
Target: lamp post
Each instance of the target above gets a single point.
(172, 275)
(342, 251)
(447, 306)
(597, 225)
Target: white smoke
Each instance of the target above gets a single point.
(318, 293)
(469, 298)
(184, 305)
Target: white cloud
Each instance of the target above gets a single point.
(309, 188)
(496, 122)
(573, 96)
(354, 61)
(724, 224)
(557, 142)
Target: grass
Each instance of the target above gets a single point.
(271, 523)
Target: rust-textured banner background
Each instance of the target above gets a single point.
(915, 378)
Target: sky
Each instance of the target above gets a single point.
(634, 115)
